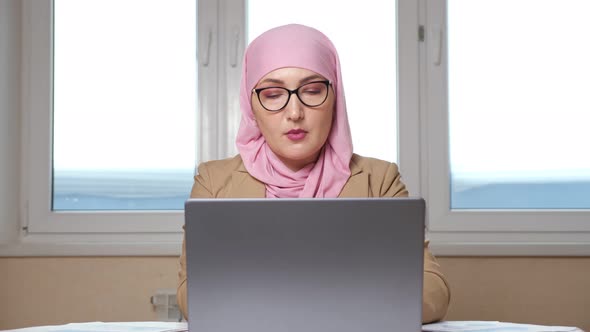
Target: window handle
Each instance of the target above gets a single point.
(437, 44)
(207, 49)
(235, 42)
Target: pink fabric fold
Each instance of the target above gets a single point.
(299, 46)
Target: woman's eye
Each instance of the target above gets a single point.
(272, 94)
(311, 92)
(313, 89)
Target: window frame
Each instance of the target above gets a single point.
(477, 232)
(43, 232)
(422, 146)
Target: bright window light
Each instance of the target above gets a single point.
(518, 104)
(124, 106)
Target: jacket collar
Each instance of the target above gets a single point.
(246, 186)
(358, 183)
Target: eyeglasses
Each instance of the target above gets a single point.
(311, 94)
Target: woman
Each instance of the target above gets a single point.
(294, 141)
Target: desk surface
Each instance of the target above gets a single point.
(446, 326)
(108, 327)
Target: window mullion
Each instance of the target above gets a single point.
(208, 72)
(232, 42)
(37, 110)
(435, 108)
(408, 95)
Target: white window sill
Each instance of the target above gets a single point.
(164, 244)
(169, 244)
(509, 243)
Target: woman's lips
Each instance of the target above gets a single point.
(296, 134)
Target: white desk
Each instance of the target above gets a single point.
(447, 326)
(108, 327)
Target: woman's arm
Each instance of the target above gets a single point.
(201, 189)
(181, 290)
(436, 292)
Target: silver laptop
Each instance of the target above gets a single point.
(305, 265)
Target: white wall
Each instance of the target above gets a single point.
(10, 84)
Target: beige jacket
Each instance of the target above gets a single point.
(369, 178)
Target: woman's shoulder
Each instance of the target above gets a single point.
(383, 176)
(214, 177)
(371, 165)
(221, 166)
(228, 163)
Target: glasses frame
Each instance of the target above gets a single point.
(293, 92)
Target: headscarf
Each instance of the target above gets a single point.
(299, 46)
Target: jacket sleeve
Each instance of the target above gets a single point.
(201, 189)
(436, 292)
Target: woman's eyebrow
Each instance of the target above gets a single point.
(271, 80)
(311, 78)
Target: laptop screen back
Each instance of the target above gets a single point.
(313, 265)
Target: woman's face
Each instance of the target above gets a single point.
(297, 132)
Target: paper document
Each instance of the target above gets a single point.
(493, 326)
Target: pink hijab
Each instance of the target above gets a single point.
(303, 47)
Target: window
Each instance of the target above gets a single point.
(505, 111)
(481, 108)
(139, 101)
(517, 105)
(59, 216)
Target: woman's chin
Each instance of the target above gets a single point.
(298, 159)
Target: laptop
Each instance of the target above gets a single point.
(304, 265)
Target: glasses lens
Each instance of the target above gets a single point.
(273, 98)
(313, 94)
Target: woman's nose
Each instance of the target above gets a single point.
(295, 108)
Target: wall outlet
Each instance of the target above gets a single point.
(164, 302)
